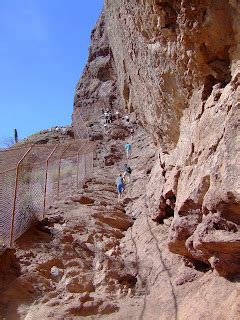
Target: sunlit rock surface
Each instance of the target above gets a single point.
(171, 248)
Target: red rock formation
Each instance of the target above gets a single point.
(97, 88)
(175, 65)
(178, 68)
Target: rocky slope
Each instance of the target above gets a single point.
(176, 67)
(96, 258)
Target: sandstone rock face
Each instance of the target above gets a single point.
(164, 51)
(174, 65)
(97, 88)
(178, 69)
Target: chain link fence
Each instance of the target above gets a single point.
(79, 126)
(32, 176)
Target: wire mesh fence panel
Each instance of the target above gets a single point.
(79, 126)
(9, 158)
(38, 174)
(73, 149)
(89, 165)
(53, 174)
(81, 169)
(63, 169)
(7, 186)
(29, 198)
(37, 154)
(68, 174)
(37, 188)
(52, 182)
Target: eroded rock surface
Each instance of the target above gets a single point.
(174, 66)
(97, 87)
(93, 257)
(71, 261)
(178, 69)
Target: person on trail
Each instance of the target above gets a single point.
(106, 116)
(128, 149)
(110, 116)
(131, 132)
(117, 114)
(120, 186)
(127, 119)
(127, 172)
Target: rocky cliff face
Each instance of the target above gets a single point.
(176, 66)
(97, 89)
(165, 51)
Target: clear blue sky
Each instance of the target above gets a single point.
(43, 50)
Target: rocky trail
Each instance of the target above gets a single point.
(94, 257)
(71, 263)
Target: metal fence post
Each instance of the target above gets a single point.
(46, 178)
(15, 193)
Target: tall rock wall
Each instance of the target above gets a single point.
(97, 88)
(167, 50)
(176, 65)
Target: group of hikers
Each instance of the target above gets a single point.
(108, 117)
(123, 178)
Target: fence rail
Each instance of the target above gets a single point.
(32, 176)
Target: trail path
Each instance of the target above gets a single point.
(94, 257)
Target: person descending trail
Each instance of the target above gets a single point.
(127, 120)
(127, 172)
(128, 149)
(107, 117)
(120, 186)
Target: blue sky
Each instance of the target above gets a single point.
(43, 50)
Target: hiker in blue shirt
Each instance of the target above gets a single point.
(120, 186)
(128, 149)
